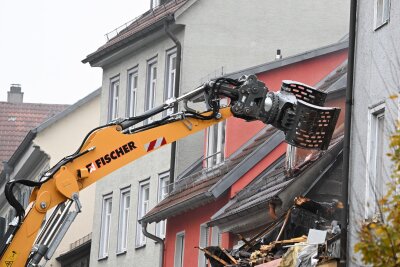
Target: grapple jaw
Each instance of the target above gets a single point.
(297, 109)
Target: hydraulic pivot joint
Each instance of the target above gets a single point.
(251, 96)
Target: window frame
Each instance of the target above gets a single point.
(380, 18)
(104, 244)
(215, 147)
(123, 218)
(162, 176)
(151, 86)
(169, 88)
(203, 242)
(161, 226)
(113, 103)
(215, 236)
(132, 103)
(179, 247)
(375, 113)
(140, 239)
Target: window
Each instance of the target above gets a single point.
(132, 92)
(150, 97)
(163, 183)
(179, 249)
(105, 226)
(143, 208)
(170, 76)
(124, 205)
(216, 141)
(203, 242)
(215, 236)
(382, 13)
(215, 144)
(114, 99)
(375, 154)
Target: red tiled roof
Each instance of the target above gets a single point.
(17, 119)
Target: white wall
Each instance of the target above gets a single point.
(376, 78)
(149, 166)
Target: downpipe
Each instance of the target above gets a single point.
(170, 19)
(344, 251)
(173, 145)
(157, 239)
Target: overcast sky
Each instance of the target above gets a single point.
(42, 44)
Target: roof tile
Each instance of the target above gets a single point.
(16, 120)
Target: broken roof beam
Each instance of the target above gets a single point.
(326, 210)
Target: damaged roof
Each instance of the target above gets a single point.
(334, 81)
(149, 21)
(274, 185)
(206, 185)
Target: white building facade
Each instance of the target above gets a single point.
(374, 114)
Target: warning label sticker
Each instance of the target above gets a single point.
(10, 259)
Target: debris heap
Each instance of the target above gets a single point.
(306, 235)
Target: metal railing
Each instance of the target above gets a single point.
(212, 161)
(80, 241)
(192, 180)
(136, 21)
(117, 30)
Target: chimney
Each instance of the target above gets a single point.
(278, 54)
(15, 95)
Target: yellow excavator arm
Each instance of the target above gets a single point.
(296, 109)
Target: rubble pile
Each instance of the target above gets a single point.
(307, 235)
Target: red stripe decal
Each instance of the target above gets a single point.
(151, 145)
(163, 141)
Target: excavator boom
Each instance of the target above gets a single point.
(296, 110)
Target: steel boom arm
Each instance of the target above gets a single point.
(109, 150)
